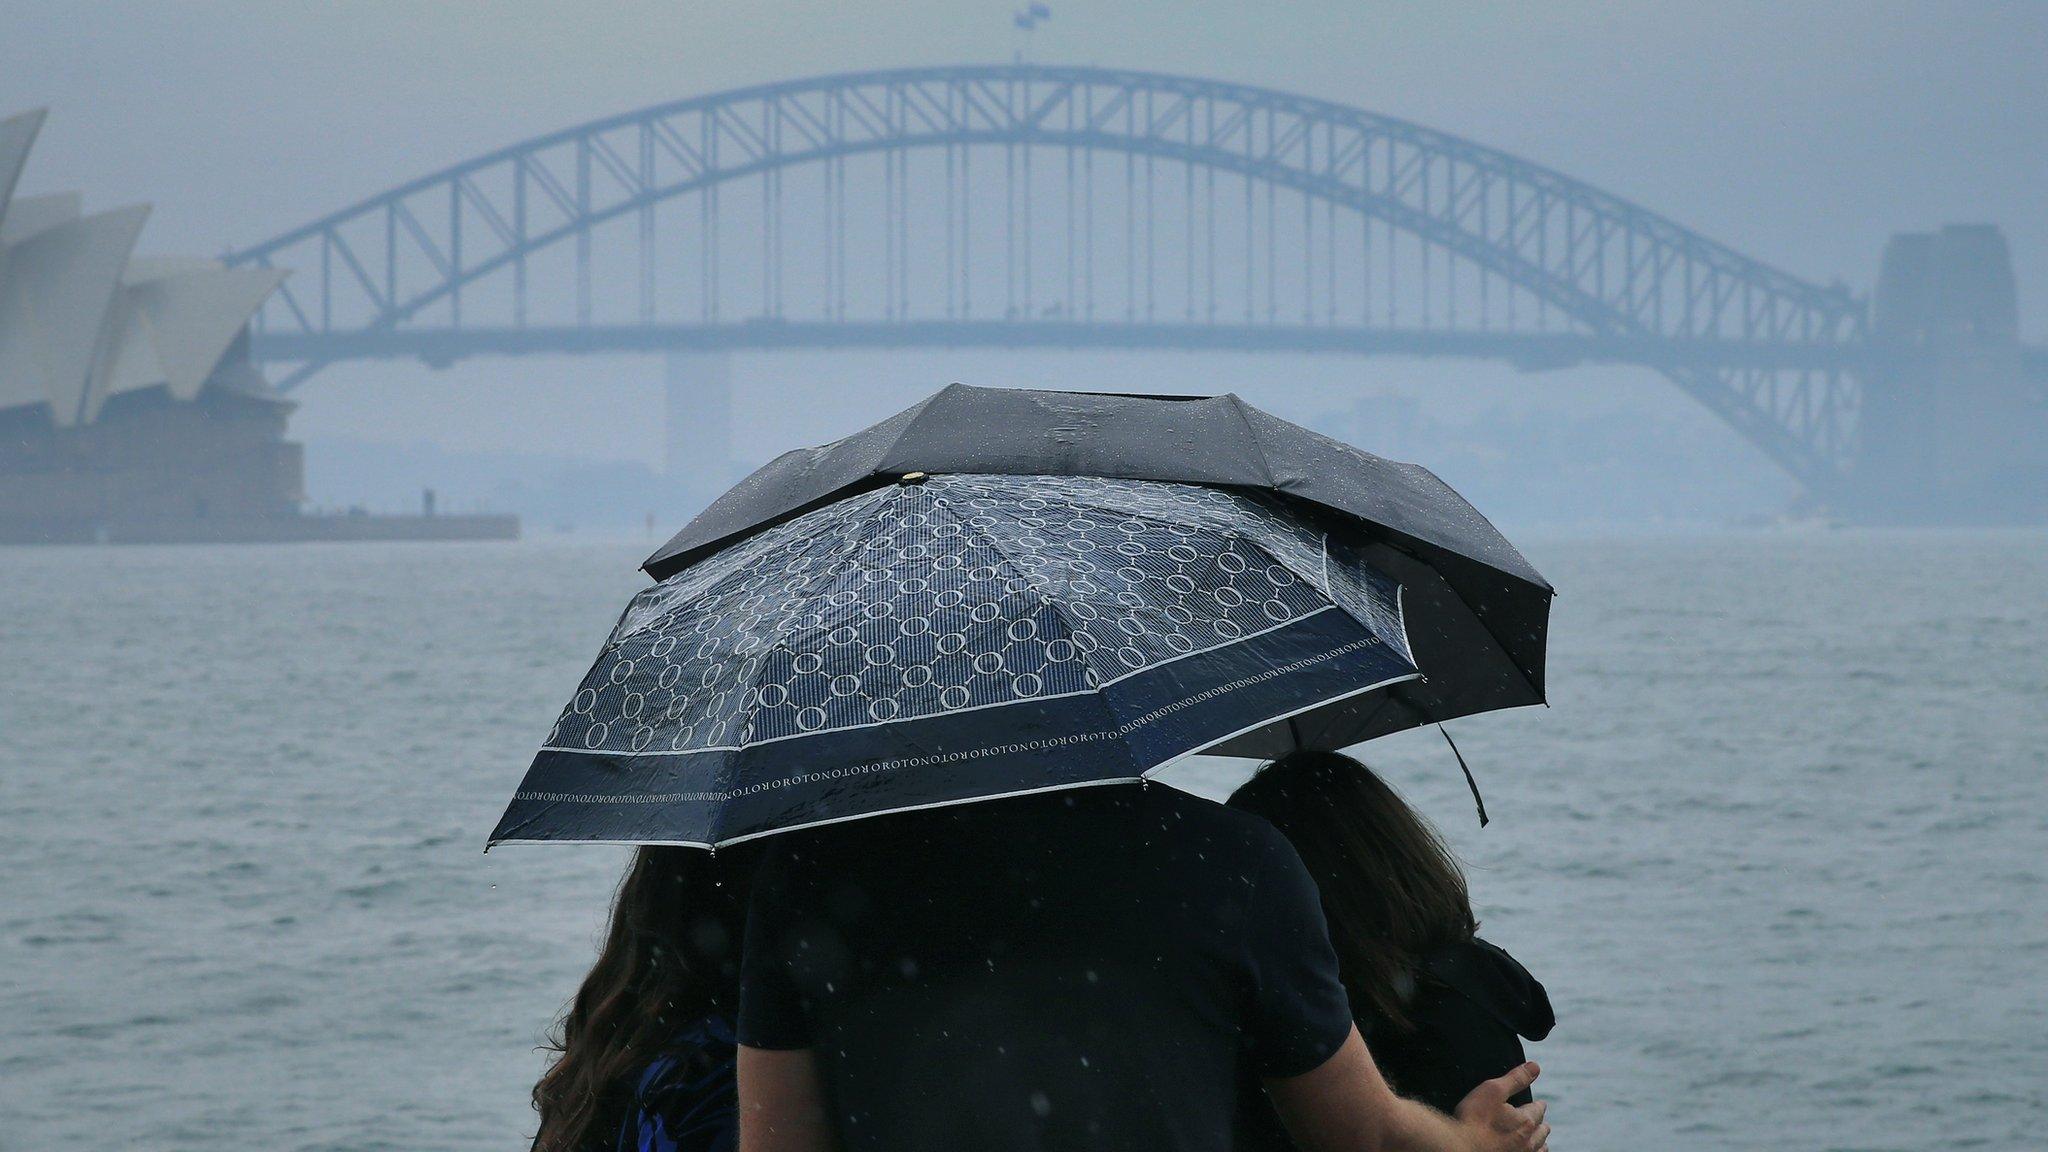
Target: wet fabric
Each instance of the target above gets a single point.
(954, 640)
(1473, 1005)
(1075, 971)
(1479, 611)
(685, 1100)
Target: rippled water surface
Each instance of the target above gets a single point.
(1780, 849)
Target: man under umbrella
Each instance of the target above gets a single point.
(1105, 585)
(1077, 970)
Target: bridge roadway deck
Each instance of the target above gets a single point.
(1534, 351)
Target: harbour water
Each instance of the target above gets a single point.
(1779, 849)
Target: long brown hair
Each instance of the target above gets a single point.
(1391, 891)
(670, 957)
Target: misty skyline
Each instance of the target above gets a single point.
(1802, 135)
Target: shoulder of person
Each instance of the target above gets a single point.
(1485, 974)
(1232, 830)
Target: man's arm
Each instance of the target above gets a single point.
(782, 1102)
(1344, 1105)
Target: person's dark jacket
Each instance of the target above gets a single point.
(1471, 1007)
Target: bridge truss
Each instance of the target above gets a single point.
(1033, 206)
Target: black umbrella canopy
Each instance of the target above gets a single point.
(1477, 610)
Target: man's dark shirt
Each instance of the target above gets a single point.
(1077, 970)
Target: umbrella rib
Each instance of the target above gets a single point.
(1058, 609)
(917, 412)
(1234, 535)
(1381, 533)
(1231, 533)
(751, 671)
(1471, 610)
(782, 634)
(752, 547)
(1237, 405)
(996, 546)
(1101, 691)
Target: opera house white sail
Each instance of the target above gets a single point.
(82, 320)
(129, 406)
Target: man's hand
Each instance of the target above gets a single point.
(1345, 1106)
(1494, 1125)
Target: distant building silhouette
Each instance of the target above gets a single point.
(129, 406)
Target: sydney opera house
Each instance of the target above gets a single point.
(129, 407)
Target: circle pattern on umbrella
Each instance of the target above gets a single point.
(961, 592)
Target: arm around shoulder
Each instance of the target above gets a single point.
(1344, 1105)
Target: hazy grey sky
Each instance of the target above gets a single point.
(1801, 133)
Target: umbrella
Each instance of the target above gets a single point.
(1477, 612)
(957, 638)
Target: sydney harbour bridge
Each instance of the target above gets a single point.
(1027, 206)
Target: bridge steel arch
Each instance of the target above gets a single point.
(1771, 354)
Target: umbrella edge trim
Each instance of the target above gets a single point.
(1145, 777)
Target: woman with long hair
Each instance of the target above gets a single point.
(646, 1049)
(1441, 1009)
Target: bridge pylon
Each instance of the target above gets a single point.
(1953, 428)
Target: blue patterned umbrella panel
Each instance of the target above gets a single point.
(956, 639)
